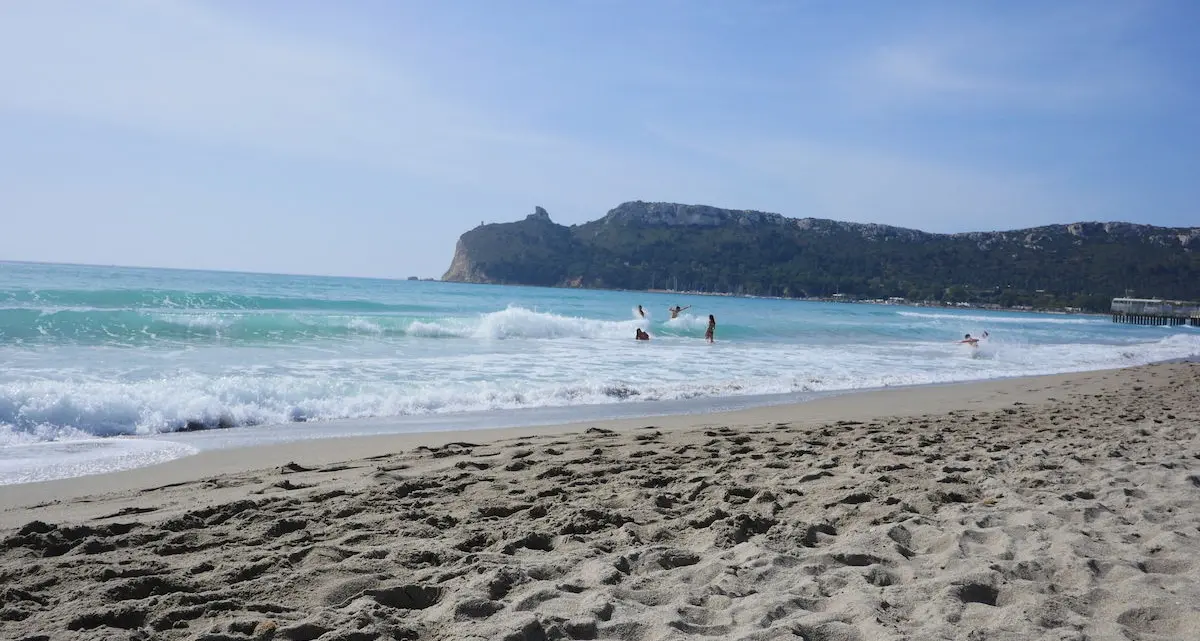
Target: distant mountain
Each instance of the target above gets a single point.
(642, 245)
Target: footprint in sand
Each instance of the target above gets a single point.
(977, 593)
(702, 621)
(985, 543)
(1165, 566)
(1151, 620)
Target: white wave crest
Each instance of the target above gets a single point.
(37, 409)
(209, 320)
(519, 322)
(441, 329)
(687, 322)
(359, 324)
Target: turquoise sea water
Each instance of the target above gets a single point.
(88, 353)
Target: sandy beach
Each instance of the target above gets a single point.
(1058, 507)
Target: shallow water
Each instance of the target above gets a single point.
(92, 352)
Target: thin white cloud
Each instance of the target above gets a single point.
(468, 119)
(843, 182)
(1058, 58)
(952, 77)
(185, 71)
(188, 73)
(171, 68)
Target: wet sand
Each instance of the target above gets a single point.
(1059, 507)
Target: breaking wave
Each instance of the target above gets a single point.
(136, 327)
(69, 408)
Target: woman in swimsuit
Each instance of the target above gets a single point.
(712, 327)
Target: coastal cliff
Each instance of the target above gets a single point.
(640, 245)
(464, 269)
(516, 253)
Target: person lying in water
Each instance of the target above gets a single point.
(641, 336)
(676, 309)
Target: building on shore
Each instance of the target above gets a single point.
(1155, 311)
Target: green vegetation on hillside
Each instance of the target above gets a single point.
(664, 246)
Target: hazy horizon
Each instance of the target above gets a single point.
(362, 140)
(440, 272)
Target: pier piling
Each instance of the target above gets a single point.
(1154, 311)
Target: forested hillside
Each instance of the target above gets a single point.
(694, 247)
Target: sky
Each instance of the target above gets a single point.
(362, 138)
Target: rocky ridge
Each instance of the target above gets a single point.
(638, 245)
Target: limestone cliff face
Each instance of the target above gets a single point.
(676, 215)
(462, 268)
(533, 251)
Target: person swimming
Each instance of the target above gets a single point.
(640, 335)
(676, 310)
(973, 342)
(641, 312)
(712, 327)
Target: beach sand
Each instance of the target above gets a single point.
(1059, 507)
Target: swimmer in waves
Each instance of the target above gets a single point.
(641, 335)
(972, 341)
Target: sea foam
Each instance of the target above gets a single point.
(154, 353)
(38, 410)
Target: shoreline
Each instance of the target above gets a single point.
(865, 404)
(1061, 507)
(417, 428)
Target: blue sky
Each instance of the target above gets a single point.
(361, 138)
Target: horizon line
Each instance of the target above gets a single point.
(5, 261)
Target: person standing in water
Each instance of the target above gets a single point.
(712, 327)
(676, 309)
(641, 312)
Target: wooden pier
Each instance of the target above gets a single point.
(1154, 311)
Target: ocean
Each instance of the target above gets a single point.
(107, 368)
